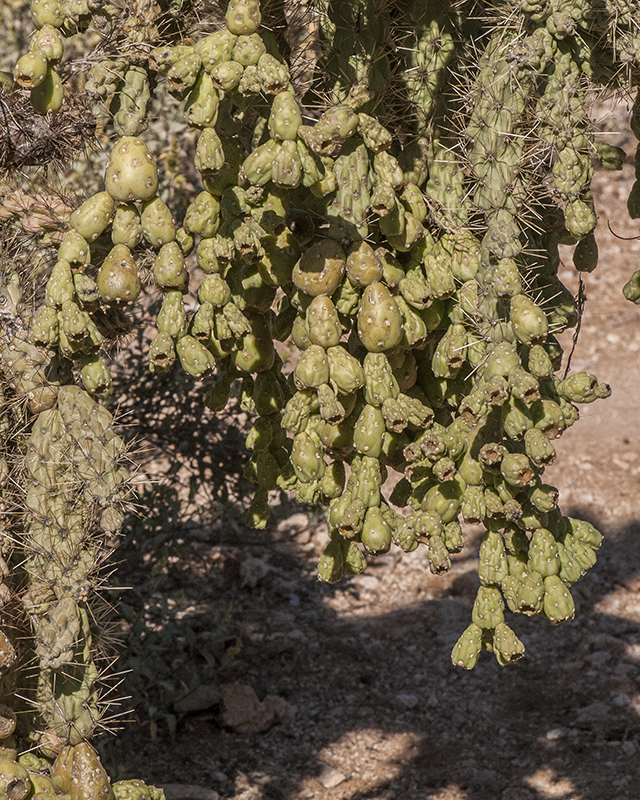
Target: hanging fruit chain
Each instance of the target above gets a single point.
(415, 271)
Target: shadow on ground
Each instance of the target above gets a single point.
(380, 713)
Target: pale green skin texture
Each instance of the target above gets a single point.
(131, 173)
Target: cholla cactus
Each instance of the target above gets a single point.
(396, 213)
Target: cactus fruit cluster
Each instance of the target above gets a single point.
(371, 265)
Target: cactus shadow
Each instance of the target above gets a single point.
(373, 701)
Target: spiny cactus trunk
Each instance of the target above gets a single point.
(396, 213)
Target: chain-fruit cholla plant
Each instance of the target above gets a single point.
(385, 186)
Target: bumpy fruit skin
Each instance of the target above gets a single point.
(321, 268)
(379, 320)
(118, 280)
(131, 172)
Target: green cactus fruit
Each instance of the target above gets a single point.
(439, 276)
(323, 324)
(162, 353)
(60, 285)
(349, 515)
(209, 152)
(375, 136)
(30, 69)
(437, 555)
(507, 647)
(369, 431)
(136, 790)
(544, 497)
(44, 328)
(584, 532)
(528, 320)
(272, 74)
(201, 105)
(216, 47)
(169, 270)
(344, 370)
(365, 481)
(379, 320)
(505, 278)
(449, 355)
(92, 217)
(331, 409)
(172, 318)
(126, 227)
(516, 469)
(321, 268)
(558, 602)
(332, 483)
(74, 249)
(256, 352)
(118, 280)
(502, 359)
(488, 608)
(157, 223)
(47, 41)
(392, 272)
(217, 397)
(493, 566)
(203, 215)
(131, 172)
(473, 508)
(418, 414)
(203, 322)
(355, 561)
(96, 376)
(380, 382)
(395, 419)
(467, 649)
(332, 564)
(538, 448)
(285, 118)
(312, 368)
(548, 417)
(362, 266)
(631, 289)
(375, 535)
(227, 75)
(543, 553)
(523, 385)
(243, 17)
(48, 95)
(248, 49)
(445, 499)
(415, 291)
(194, 357)
(388, 170)
(307, 457)
(581, 388)
(14, 779)
(580, 217)
(73, 322)
(286, 168)
(539, 362)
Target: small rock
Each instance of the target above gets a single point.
(407, 701)
(252, 571)
(330, 777)
(554, 734)
(245, 714)
(592, 714)
(620, 700)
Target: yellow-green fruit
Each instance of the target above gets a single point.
(227, 75)
(216, 47)
(48, 42)
(321, 268)
(379, 320)
(255, 351)
(131, 172)
(201, 106)
(126, 227)
(323, 322)
(30, 69)
(60, 284)
(157, 223)
(118, 280)
(48, 95)
(14, 779)
(285, 117)
(248, 49)
(93, 216)
(47, 12)
(74, 248)
(362, 266)
(169, 270)
(209, 151)
(243, 17)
